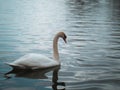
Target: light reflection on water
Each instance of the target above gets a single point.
(89, 61)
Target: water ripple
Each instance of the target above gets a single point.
(89, 61)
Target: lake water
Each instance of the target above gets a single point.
(89, 61)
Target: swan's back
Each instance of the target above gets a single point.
(34, 61)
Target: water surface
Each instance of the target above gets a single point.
(89, 61)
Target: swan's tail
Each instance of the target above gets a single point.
(11, 64)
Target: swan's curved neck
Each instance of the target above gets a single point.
(55, 48)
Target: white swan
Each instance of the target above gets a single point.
(38, 61)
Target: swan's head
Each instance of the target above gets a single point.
(63, 36)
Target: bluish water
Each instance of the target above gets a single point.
(89, 61)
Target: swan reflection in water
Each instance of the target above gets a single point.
(38, 74)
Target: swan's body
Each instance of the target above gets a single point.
(38, 61)
(33, 61)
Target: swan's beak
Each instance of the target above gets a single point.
(65, 40)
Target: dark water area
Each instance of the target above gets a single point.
(89, 61)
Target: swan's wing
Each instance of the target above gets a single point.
(34, 61)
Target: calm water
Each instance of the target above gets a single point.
(89, 61)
